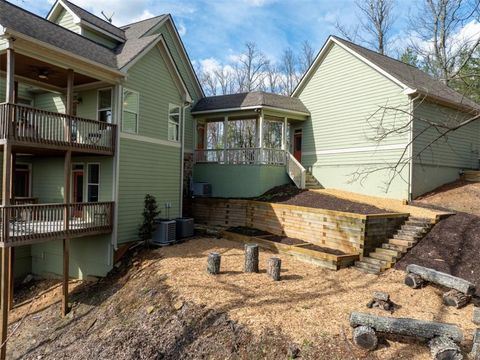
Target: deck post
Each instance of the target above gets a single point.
(225, 139)
(66, 240)
(11, 283)
(10, 76)
(69, 104)
(4, 304)
(260, 137)
(284, 134)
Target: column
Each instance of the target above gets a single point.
(260, 137)
(66, 240)
(69, 104)
(284, 134)
(225, 139)
(10, 76)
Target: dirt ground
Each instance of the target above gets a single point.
(167, 307)
(291, 195)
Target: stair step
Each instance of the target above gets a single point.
(394, 253)
(413, 228)
(368, 271)
(401, 231)
(400, 248)
(388, 258)
(408, 237)
(419, 220)
(368, 267)
(402, 242)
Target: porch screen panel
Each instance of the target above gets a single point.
(272, 134)
(242, 134)
(214, 141)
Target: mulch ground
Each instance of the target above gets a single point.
(452, 246)
(290, 195)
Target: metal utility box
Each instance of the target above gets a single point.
(185, 227)
(202, 189)
(165, 233)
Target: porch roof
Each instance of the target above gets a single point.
(249, 101)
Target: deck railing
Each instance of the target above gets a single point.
(296, 171)
(241, 156)
(33, 223)
(27, 124)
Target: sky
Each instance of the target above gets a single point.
(218, 29)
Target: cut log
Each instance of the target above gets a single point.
(443, 279)
(443, 348)
(476, 316)
(381, 296)
(407, 327)
(365, 337)
(213, 263)
(251, 258)
(475, 354)
(274, 268)
(414, 281)
(456, 298)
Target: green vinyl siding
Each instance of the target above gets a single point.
(344, 95)
(65, 19)
(233, 181)
(23, 91)
(146, 168)
(439, 163)
(99, 38)
(50, 102)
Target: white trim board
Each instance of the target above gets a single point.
(356, 149)
(149, 140)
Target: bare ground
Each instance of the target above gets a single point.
(164, 305)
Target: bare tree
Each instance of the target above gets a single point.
(438, 24)
(225, 80)
(209, 83)
(273, 80)
(307, 56)
(375, 24)
(289, 68)
(251, 67)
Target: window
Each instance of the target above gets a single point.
(131, 105)
(173, 122)
(93, 185)
(104, 105)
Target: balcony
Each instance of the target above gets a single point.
(26, 128)
(35, 223)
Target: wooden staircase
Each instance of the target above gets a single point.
(384, 257)
(311, 182)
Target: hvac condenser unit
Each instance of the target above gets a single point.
(165, 233)
(202, 189)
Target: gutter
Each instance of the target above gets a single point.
(442, 101)
(243, 108)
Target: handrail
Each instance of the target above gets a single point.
(241, 156)
(296, 171)
(27, 124)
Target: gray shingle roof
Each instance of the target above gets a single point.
(411, 76)
(17, 19)
(95, 20)
(250, 99)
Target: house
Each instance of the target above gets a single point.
(357, 114)
(95, 117)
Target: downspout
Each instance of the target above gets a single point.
(185, 106)
(410, 151)
(116, 165)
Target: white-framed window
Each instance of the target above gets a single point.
(104, 105)
(131, 108)
(93, 182)
(173, 122)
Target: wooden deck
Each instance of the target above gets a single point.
(27, 128)
(34, 223)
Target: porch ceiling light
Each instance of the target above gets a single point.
(43, 74)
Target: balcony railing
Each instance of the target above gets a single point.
(28, 224)
(242, 156)
(29, 125)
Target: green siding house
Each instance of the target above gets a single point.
(94, 117)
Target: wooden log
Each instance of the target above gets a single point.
(274, 268)
(365, 337)
(443, 348)
(443, 279)
(213, 263)
(414, 281)
(251, 258)
(406, 326)
(381, 296)
(476, 316)
(475, 354)
(456, 298)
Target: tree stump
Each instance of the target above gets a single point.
(381, 296)
(365, 337)
(251, 258)
(476, 316)
(414, 281)
(456, 298)
(274, 268)
(443, 348)
(475, 354)
(213, 263)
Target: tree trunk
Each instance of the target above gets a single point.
(456, 298)
(213, 264)
(443, 279)
(365, 337)
(475, 354)
(407, 327)
(251, 258)
(414, 281)
(381, 296)
(443, 348)
(274, 268)
(476, 316)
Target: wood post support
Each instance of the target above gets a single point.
(11, 283)
(10, 76)
(66, 240)
(4, 303)
(225, 139)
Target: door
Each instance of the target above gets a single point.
(78, 181)
(22, 181)
(297, 146)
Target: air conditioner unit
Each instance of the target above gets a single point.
(185, 227)
(165, 233)
(202, 189)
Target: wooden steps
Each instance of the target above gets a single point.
(385, 256)
(311, 182)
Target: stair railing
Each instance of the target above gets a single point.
(296, 171)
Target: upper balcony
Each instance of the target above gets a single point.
(26, 128)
